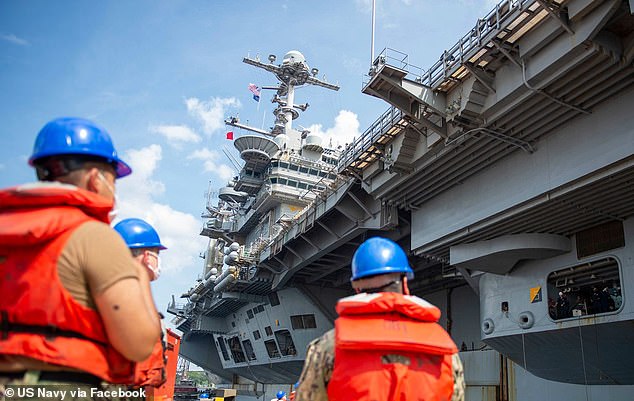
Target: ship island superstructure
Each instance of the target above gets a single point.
(283, 173)
(506, 169)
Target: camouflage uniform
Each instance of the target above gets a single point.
(320, 362)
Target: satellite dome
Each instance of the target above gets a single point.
(293, 57)
(313, 141)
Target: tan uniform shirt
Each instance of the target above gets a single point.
(320, 361)
(94, 258)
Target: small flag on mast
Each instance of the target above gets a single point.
(256, 92)
(230, 135)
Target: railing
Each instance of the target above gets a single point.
(369, 137)
(504, 13)
(485, 29)
(305, 217)
(396, 59)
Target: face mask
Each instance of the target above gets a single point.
(115, 210)
(156, 271)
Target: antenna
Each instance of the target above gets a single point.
(232, 159)
(373, 23)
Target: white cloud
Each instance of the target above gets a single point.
(211, 113)
(345, 130)
(211, 163)
(144, 162)
(179, 233)
(11, 38)
(178, 230)
(176, 134)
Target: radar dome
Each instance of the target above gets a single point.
(293, 57)
(313, 141)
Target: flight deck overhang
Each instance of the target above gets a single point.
(420, 102)
(500, 255)
(519, 76)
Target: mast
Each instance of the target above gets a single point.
(291, 73)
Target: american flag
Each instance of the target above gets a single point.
(256, 92)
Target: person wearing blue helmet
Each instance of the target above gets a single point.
(144, 243)
(281, 395)
(78, 310)
(386, 344)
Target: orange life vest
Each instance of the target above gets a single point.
(151, 372)
(390, 347)
(38, 317)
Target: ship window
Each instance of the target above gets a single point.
(233, 324)
(303, 169)
(223, 348)
(284, 338)
(283, 165)
(309, 321)
(323, 174)
(250, 314)
(282, 181)
(268, 331)
(273, 180)
(259, 309)
(303, 322)
(236, 350)
(313, 172)
(302, 185)
(275, 163)
(274, 300)
(292, 183)
(248, 348)
(332, 176)
(294, 167)
(256, 335)
(271, 349)
(586, 289)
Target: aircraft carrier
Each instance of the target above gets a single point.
(506, 170)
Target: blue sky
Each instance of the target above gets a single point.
(162, 75)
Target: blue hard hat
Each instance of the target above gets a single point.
(379, 256)
(77, 136)
(281, 394)
(138, 234)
